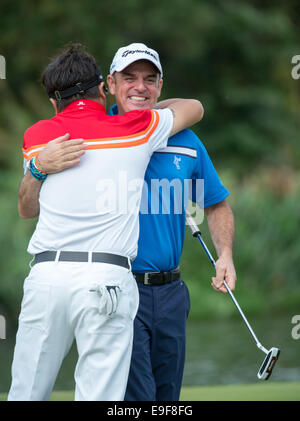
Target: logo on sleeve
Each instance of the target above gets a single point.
(176, 162)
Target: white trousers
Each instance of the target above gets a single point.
(58, 307)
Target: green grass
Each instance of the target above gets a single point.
(277, 391)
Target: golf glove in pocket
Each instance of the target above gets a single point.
(109, 295)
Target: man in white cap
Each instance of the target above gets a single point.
(134, 52)
(158, 356)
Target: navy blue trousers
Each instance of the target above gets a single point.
(158, 354)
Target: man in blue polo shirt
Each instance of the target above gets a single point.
(158, 356)
(159, 332)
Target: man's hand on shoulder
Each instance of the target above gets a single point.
(60, 154)
(186, 112)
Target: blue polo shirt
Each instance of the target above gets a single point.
(175, 174)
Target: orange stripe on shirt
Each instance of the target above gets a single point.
(155, 116)
(27, 150)
(118, 145)
(100, 146)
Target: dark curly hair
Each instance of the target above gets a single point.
(71, 66)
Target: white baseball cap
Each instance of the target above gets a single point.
(131, 53)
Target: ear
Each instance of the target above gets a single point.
(111, 83)
(53, 102)
(102, 91)
(102, 94)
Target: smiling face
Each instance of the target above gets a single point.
(137, 87)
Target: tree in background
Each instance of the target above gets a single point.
(235, 56)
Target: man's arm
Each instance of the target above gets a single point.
(57, 156)
(186, 112)
(29, 191)
(221, 225)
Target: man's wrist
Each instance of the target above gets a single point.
(35, 170)
(39, 165)
(226, 252)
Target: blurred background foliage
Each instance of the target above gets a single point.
(233, 55)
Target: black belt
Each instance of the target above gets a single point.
(82, 256)
(157, 278)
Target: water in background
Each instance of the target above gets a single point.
(218, 352)
(224, 352)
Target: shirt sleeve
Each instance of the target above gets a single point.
(207, 188)
(162, 126)
(25, 165)
(25, 159)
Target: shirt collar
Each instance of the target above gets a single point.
(113, 110)
(84, 105)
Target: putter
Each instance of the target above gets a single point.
(267, 366)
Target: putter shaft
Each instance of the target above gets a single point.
(273, 354)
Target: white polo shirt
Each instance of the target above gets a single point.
(94, 206)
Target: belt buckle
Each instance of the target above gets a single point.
(146, 278)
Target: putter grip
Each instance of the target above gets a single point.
(192, 224)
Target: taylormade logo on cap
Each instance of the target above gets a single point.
(127, 52)
(131, 53)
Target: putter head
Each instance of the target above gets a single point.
(267, 366)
